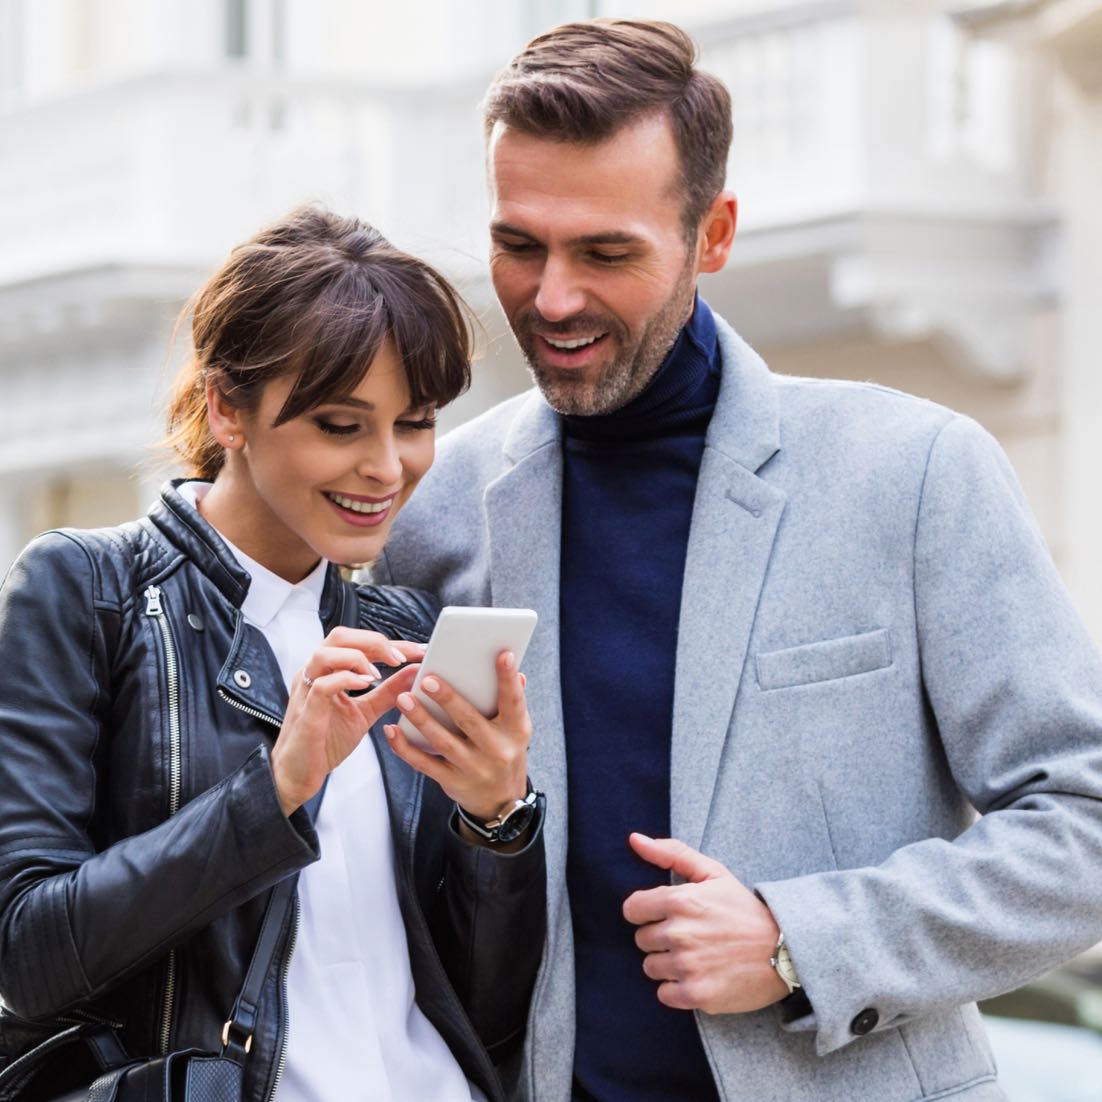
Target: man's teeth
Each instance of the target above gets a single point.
(566, 346)
(360, 506)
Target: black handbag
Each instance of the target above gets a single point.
(189, 1075)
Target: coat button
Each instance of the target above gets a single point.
(865, 1022)
(195, 621)
(242, 679)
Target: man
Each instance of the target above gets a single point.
(792, 633)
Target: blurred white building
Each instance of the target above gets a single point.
(918, 182)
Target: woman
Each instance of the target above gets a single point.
(178, 690)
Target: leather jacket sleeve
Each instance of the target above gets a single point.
(490, 925)
(486, 909)
(79, 915)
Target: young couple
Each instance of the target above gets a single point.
(775, 601)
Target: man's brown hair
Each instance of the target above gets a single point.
(314, 294)
(582, 82)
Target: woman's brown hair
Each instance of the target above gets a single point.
(314, 294)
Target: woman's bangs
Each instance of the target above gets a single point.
(333, 354)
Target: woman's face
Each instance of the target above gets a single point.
(329, 482)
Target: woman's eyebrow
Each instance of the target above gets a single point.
(359, 403)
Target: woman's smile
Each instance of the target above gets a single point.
(359, 510)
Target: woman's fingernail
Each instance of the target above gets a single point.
(398, 657)
(509, 660)
(406, 702)
(523, 681)
(368, 678)
(422, 647)
(372, 673)
(388, 730)
(430, 685)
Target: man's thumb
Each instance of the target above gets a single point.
(669, 853)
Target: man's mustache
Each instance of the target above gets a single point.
(533, 319)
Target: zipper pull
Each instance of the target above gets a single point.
(153, 601)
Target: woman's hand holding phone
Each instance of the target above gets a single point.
(323, 724)
(485, 765)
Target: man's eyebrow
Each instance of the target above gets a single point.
(608, 237)
(508, 230)
(611, 237)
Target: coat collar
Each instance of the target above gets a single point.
(745, 425)
(736, 514)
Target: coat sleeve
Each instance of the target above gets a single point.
(78, 916)
(1014, 685)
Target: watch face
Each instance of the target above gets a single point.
(516, 823)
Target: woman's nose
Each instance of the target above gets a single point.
(382, 461)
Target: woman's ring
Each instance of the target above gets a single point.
(307, 680)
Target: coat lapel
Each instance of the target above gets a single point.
(735, 519)
(524, 518)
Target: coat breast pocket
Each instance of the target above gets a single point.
(827, 660)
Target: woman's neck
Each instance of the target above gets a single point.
(244, 520)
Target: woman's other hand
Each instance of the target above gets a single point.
(484, 766)
(323, 724)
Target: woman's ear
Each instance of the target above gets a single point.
(718, 232)
(224, 419)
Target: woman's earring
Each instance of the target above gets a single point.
(232, 439)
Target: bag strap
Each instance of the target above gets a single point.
(237, 1033)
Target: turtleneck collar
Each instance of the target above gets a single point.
(682, 392)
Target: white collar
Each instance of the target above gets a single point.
(268, 593)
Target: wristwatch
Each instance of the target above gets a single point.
(509, 823)
(781, 963)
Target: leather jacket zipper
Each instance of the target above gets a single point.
(250, 711)
(155, 611)
(285, 967)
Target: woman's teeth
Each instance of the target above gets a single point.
(360, 506)
(566, 346)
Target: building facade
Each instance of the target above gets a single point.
(917, 184)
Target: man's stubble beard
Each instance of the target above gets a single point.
(628, 375)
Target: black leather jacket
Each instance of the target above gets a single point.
(140, 830)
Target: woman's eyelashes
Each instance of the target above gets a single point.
(341, 428)
(418, 425)
(333, 428)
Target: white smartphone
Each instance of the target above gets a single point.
(463, 651)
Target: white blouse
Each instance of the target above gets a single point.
(354, 1031)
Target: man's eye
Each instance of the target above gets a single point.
(516, 246)
(608, 258)
(333, 429)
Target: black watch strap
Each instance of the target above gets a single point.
(509, 823)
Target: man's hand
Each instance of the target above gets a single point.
(708, 941)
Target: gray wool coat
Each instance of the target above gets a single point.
(874, 646)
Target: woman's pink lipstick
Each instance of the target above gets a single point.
(356, 517)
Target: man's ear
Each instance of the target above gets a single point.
(225, 419)
(717, 232)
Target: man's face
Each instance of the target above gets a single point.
(589, 259)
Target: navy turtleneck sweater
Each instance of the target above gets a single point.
(629, 479)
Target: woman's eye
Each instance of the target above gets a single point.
(333, 428)
(418, 425)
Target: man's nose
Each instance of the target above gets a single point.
(560, 293)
